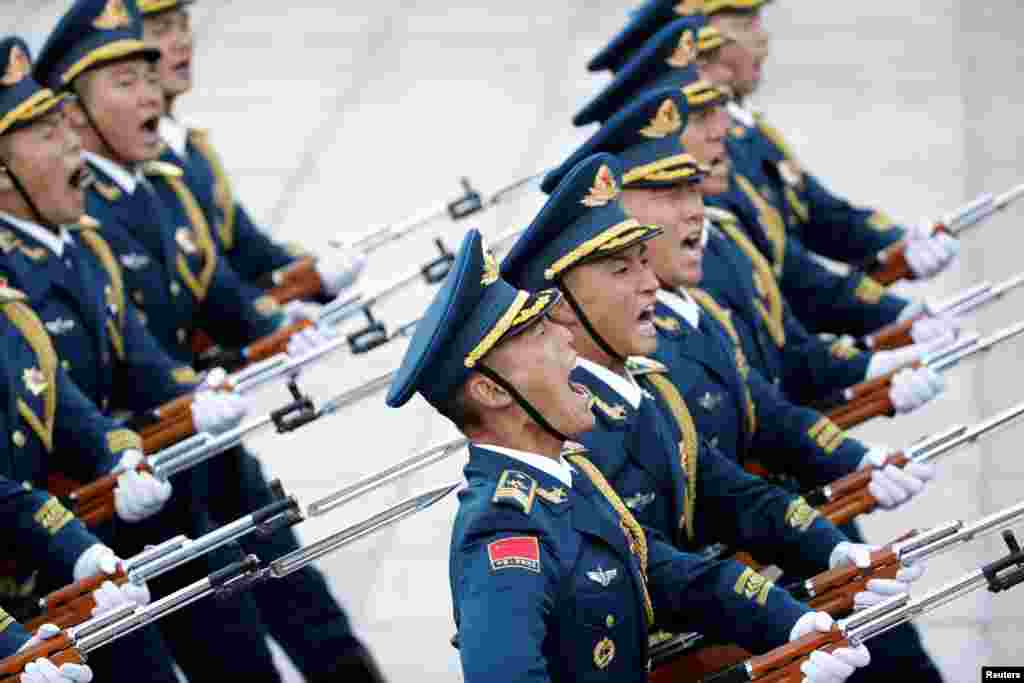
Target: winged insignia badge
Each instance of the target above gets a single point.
(603, 576)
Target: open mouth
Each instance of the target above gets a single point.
(183, 69)
(645, 321)
(151, 125)
(80, 178)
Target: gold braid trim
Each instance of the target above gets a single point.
(638, 541)
(199, 285)
(768, 286)
(799, 207)
(606, 240)
(98, 246)
(31, 328)
(724, 317)
(770, 220)
(222, 191)
(688, 447)
(503, 325)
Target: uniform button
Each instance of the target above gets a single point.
(18, 438)
(66, 365)
(27, 485)
(175, 289)
(182, 336)
(610, 621)
(137, 296)
(67, 262)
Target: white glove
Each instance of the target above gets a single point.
(301, 343)
(296, 311)
(827, 667)
(884, 362)
(44, 671)
(96, 559)
(109, 596)
(339, 269)
(138, 494)
(912, 388)
(218, 411)
(880, 590)
(890, 485)
(913, 310)
(932, 330)
(929, 254)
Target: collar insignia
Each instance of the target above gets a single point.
(666, 322)
(615, 412)
(603, 576)
(18, 67)
(183, 236)
(685, 52)
(60, 326)
(639, 501)
(114, 16)
(8, 241)
(34, 253)
(710, 402)
(665, 122)
(35, 380)
(603, 190)
(108, 191)
(133, 261)
(556, 495)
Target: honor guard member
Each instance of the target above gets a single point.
(251, 252)
(552, 577)
(174, 273)
(734, 407)
(810, 369)
(824, 301)
(14, 638)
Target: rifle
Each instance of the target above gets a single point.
(871, 398)
(782, 665)
(896, 335)
(75, 643)
(891, 265)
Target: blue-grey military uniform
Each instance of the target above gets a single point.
(823, 300)
(12, 634)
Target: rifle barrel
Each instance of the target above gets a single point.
(966, 435)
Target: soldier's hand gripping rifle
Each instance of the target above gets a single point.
(898, 334)
(891, 264)
(866, 400)
(782, 665)
(75, 643)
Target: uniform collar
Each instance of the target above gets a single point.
(744, 116)
(682, 304)
(175, 134)
(623, 386)
(560, 469)
(126, 179)
(54, 243)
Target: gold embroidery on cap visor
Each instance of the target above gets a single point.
(107, 53)
(517, 315)
(704, 94)
(615, 238)
(710, 38)
(31, 109)
(713, 6)
(154, 6)
(678, 167)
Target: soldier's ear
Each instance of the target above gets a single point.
(562, 314)
(76, 115)
(487, 393)
(6, 184)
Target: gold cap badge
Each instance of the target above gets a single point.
(603, 190)
(665, 122)
(685, 52)
(114, 16)
(491, 271)
(18, 67)
(688, 7)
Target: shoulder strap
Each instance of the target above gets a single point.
(635, 533)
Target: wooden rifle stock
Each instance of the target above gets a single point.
(783, 663)
(69, 655)
(893, 265)
(862, 409)
(170, 433)
(12, 666)
(893, 336)
(298, 281)
(692, 666)
(274, 343)
(849, 508)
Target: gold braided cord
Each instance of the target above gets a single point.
(768, 285)
(198, 285)
(603, 241)
(503, 325)
(688, 448)
(629, 523)
(223, 193)
(98, 246)
(770, 220)
(31, 328)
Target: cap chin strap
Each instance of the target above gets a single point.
(20, 188)
(92, 122)
(605, 346)
(523, 403)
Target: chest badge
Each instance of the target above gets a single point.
(35, 380)
(604, 653)
(186, 241)
(604, 577)
(134, 261)
(710, 402)
(60, 326)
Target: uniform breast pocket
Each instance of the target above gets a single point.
(604, 643)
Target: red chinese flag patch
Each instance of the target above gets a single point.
(516, 552)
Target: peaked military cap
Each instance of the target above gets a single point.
(152, 7)
(22, 99)
(582, 221)
(665, 60)
(645, 138)
(472, 313)
(715, 6)
(647, 20)
(91, 33)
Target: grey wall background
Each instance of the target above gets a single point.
(334, 117)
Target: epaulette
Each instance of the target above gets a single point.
(717, 215)
(517, 489)
(638, 365)
(162, 168)
(9, 294)
(773, 134)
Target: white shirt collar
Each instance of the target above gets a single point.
(54, 243)
(175, 134)
(120, 175)
(744, 116)
(623, 386)
(559, 469)
(682, 304)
